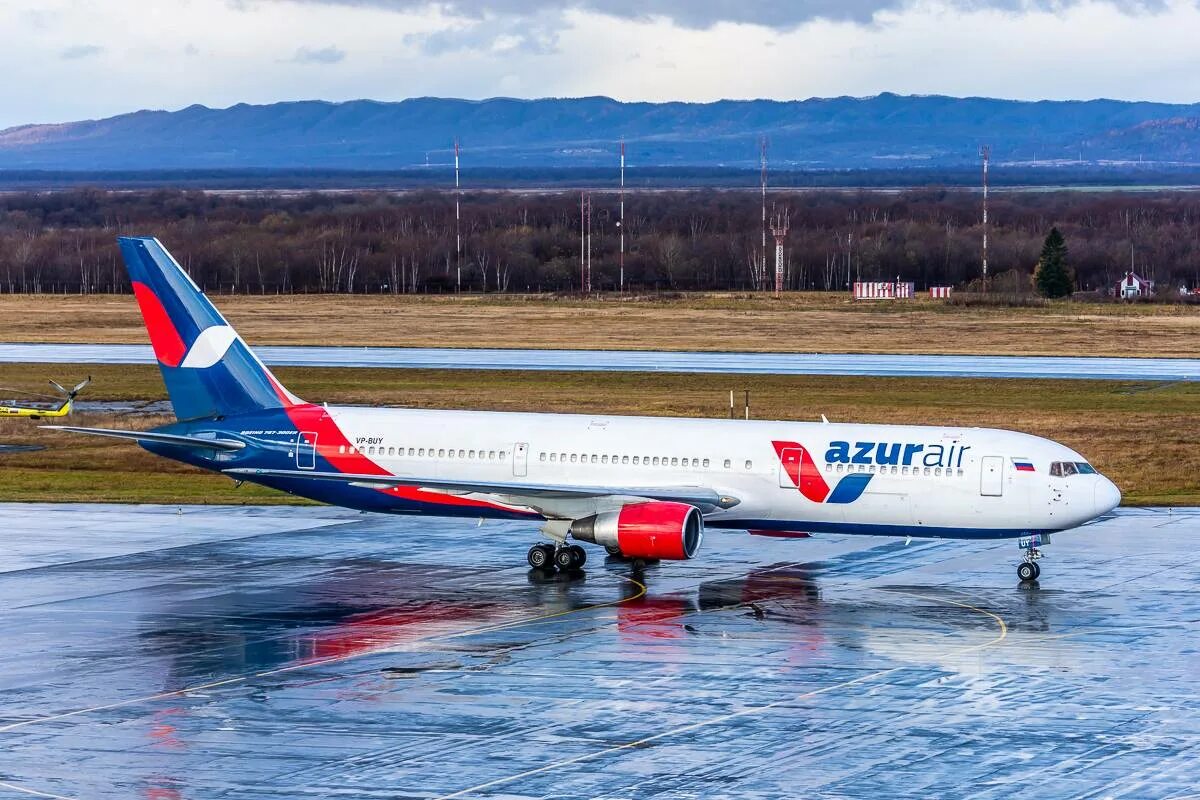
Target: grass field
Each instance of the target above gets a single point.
(1143, 435)
(799, 322)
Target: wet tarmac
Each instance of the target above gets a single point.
(1157, 369)
(204, 652)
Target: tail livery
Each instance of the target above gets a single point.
(209, 371)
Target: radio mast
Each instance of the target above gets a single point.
(621, 220)
(457, 222)
(986, 153)
(779, 229)
(762, 160)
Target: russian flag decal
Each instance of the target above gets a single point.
(1023, 465)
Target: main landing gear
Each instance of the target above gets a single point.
(1028, 570)
(566, 557)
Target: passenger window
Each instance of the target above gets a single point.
(895, 470)
(829, 467)
(839, 467)
(728, 464)
(749, 465)
(603, 459)
(341, 448)
(927, 472)
(706, 463)
(410, 452)
(937, 471)
(554, 458)
(391, 451)
(635, 461)
(655, 461)
(471, 454)
(960, 473)
(594, 459)
(624, 459)
(541, 456)
(674, 462)
(574, 457)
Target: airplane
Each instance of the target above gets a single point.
(66, 402)
(644, 488)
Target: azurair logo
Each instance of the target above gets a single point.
(806, 476)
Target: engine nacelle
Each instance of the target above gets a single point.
(645, 530)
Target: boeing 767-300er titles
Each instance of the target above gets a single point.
(643, 487)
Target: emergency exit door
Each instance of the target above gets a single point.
(520, 459)
(991, 480)
(790, 459)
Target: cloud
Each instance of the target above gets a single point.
(704, 14)
(323, 55)
(504, 35)
(78, 51)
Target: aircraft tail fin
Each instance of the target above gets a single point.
(209, 371)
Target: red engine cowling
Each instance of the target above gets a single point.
(646, 530)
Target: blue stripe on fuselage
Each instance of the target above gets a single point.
(864, 529)
(849, 488)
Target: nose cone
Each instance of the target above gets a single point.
(1108, 496)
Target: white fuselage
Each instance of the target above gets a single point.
(908, 480)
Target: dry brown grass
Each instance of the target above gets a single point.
(797, 323)
(1142, 435)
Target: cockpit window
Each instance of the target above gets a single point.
(1061, 469)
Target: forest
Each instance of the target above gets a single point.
(529, 241)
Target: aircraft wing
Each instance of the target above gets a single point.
(160, 438)
(700, 496)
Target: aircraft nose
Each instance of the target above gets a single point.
(1108, 496)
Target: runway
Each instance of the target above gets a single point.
(932, 366)
(305, 652)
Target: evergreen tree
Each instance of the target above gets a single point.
(1053, 277)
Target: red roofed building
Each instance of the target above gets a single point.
(1133, 286)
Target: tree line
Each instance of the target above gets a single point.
(380, 242)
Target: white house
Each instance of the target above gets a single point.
(1133, 286)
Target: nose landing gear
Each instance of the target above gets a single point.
(1028, 570)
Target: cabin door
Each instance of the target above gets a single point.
(306, 450)
(991, 479)
(520, 459)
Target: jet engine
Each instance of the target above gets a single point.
(645, 530)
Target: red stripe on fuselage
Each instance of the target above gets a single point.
(164, 338)
(312, 419)
(803, 472)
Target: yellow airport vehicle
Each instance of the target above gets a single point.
(65, 398)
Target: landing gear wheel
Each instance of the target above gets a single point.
(612, 550)
(578, 556)
(564, 559)
(1028, 571)
(1037, 571)
(540, 556)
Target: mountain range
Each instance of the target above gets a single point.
(883, 131)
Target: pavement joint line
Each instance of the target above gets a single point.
(744, 712)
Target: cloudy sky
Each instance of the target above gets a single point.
(74, 59)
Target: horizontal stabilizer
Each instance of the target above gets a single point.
(694, 495)
(159, 438)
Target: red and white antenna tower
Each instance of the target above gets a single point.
(585, 242)
(457, 222)
(621, 220)
(762, 160)
(779, 229)
(986, 153)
